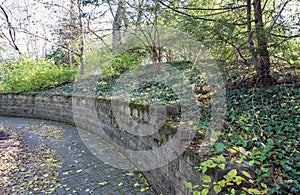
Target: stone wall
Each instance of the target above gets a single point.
(91, 114)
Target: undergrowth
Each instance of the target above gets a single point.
(25, 74)
(261, 129)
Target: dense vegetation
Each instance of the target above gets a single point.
(261, 127)
(255, 44)
(25, 74)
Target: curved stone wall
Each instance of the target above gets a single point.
(168, 179)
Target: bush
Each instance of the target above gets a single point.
(107, 63)
(25, 74)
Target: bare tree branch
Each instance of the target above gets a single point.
(284, 36)
(198, 17)
(210, 9)
(11, 30)
(279, 13)
(186, 14)
(98, 36)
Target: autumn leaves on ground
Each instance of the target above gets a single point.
(24, 169)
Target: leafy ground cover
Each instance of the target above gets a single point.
(261, 128)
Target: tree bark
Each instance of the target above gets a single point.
(81, 29)
(250, 34)
(263, 67)
(72, 23)
(117, 25)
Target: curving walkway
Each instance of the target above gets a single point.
(94, 177)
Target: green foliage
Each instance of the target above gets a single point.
(154, 92)
(96, 59)
(25, 74)
(219, 147)
(261, 126)
(266, 123)
(122, 62)
(110, 64)
(262, 130)
(232, 182)
(225, 33)
(61, 58)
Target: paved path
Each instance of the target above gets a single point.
(75, 156)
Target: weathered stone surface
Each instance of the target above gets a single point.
(92, 114)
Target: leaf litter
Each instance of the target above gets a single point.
(46, 131)
(24, 169)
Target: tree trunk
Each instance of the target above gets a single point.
(73, 24)
(263, 68)
(81, 49)
(117, 25)
(70, 55)
(157, 52)
(250, 35)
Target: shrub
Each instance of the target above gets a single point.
(25, 74)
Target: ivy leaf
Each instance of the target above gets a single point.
(239, 180)
(219, 147)
(188, 184)
(222, 183)
(196, 193)
(204, 169)
(270, 141)
(221, 166)
(253, 191)
(232, 173)
(264, 185)
(247, 174)
(232, 151)
(204, 191)
(221, 158)
(205, 178)
(217, 189)
(232, 191)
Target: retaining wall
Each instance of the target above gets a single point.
(168, 179)
(92, 114)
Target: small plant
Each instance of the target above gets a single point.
(232, 182)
